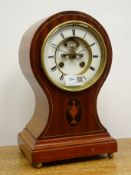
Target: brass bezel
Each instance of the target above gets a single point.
(103, 55)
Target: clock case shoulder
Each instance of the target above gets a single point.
(48, 136)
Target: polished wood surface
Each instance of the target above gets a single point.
(13, 162)
(48, 132)
(58, 99)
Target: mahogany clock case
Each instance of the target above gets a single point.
(51, 135)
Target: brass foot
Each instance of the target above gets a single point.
(110, 155)
(37, 164)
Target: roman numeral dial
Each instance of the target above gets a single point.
(54, 46)
(53, 68)
(62, 35)
(62, 77)
(73, 31)
(73, 49)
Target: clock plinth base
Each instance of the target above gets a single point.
(62, 148)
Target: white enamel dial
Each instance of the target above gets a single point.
(73, 56)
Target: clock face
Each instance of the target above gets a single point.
(73, 56)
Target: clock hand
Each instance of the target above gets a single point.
(64, 54)
(80, 54)
(72, 54)
(80, 51)
(64, 51)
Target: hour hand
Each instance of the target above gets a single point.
(80, 55)
(64, 54)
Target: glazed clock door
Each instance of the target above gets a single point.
(73, 55)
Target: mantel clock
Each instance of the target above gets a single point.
(66, 59)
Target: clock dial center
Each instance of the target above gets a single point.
(71, 51)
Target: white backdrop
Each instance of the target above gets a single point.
(16, 96)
